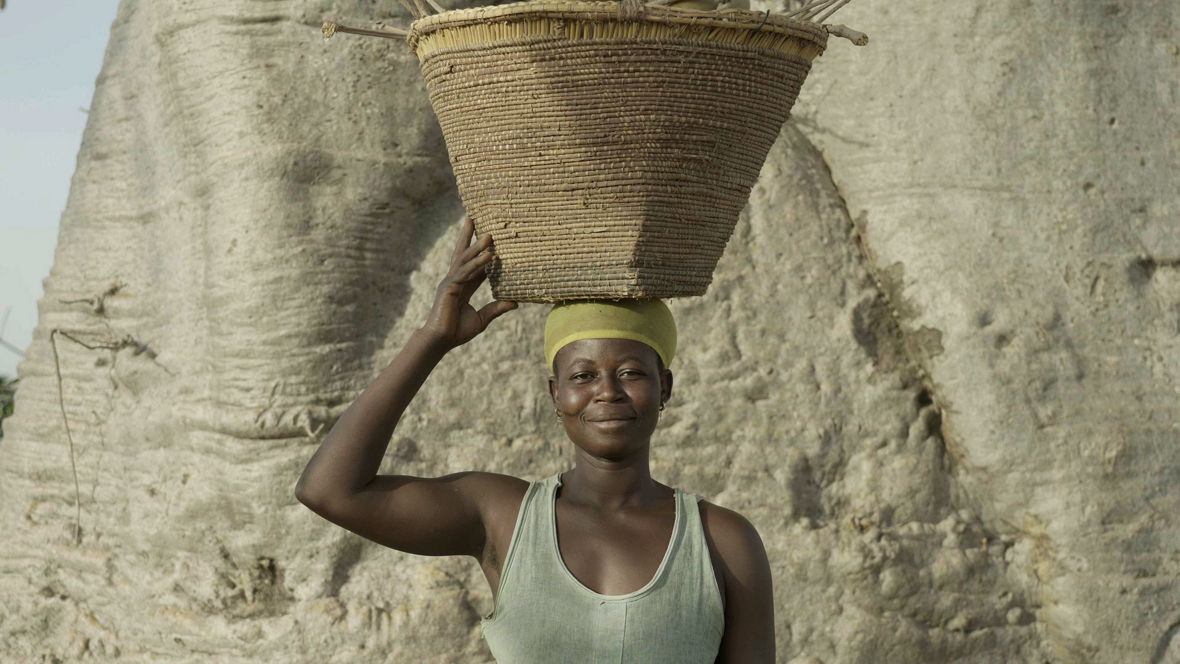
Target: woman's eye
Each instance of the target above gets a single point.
(584, 375)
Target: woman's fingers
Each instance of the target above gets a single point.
(464, 240)
(493, 310)
(482, 243)
(452, 314)
(473, 268)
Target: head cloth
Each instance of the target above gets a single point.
(646, 321)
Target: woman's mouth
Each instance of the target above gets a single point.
(611, 423)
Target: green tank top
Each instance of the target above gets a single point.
(543, 614)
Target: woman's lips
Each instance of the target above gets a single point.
(613, 422)
(611, 415)
(611, 418)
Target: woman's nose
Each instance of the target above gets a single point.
(609, 389)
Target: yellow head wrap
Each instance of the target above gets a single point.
(646, 321)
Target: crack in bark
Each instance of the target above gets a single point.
(910, 343)
(1165, 644)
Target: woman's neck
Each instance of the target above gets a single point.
(611, 484)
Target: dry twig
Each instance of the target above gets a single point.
(114, 346)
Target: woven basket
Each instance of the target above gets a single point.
(609, 148)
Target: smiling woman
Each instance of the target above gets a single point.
(609, 376)
(601, 563)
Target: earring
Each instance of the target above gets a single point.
(559, 420)
(661, 406)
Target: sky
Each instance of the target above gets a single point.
(50, 55)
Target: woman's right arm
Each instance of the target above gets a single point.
(439, 516)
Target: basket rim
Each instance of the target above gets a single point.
(608, 11)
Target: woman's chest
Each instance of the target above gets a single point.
(613, 554)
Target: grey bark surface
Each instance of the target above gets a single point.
(952, 414)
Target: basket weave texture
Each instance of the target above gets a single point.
(609, 156)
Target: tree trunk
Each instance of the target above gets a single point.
(951, 413)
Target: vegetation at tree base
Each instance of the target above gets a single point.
(7, 395)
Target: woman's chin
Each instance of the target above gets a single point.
(613, 441)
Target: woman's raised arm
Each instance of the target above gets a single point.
(439, 516)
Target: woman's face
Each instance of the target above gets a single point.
(609, 392)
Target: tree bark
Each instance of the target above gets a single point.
(936, 367)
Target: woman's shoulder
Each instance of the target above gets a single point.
(725, 523)
(733, 539)
(493, 489)
(748, 587)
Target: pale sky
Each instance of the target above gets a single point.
(50, 54)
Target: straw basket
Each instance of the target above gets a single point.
(609, 148)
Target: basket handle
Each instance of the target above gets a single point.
(857, 38)
(331, 27)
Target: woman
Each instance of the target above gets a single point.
(598, 564)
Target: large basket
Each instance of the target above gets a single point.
(609, 149)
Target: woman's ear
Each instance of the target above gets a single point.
(553, 390)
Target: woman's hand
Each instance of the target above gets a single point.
(452, 320)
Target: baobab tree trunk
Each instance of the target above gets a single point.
(951, 413)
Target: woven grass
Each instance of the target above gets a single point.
(609, 149)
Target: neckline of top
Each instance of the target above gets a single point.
(677, 526)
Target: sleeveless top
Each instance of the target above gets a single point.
(544, 614)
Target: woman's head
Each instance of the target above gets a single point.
(647, 321)
(610, 376)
